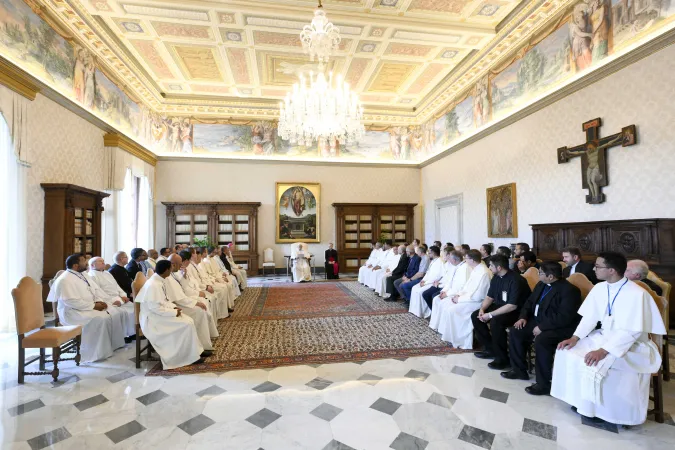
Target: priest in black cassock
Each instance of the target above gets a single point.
(332, 267)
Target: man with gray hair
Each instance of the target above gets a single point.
(637, 270)
(120, 274)
(397, 274)
(388, 265)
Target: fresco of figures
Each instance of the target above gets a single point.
(588, 32)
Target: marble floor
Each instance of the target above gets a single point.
(432, 403)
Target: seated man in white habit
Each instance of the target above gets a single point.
(233, 267)
(435, 273)
(106, 288)
(604, 373)
(454, 311)
(172, 334)
(197, 273)
(454, 279)
(390, 263)
(300, 259)
(371, 262)
(191, 287)
(218, 279)
(370, 276)
(209, 258)
(78, 305)
(192, 307)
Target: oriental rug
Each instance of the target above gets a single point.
(314, 323)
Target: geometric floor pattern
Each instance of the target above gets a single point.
(442, 402)
(280, 324)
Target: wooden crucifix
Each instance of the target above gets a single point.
(593, 157)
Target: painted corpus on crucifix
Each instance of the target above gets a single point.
(593, 157)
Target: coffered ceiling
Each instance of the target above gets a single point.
(187, 57)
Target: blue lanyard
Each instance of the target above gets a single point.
(547, 289)
(610, 306)
(81, 277)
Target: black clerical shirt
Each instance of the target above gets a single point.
(511, 289)
(555, 304)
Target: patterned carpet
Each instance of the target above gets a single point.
(314, 323)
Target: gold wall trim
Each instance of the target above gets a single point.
(129, 146)
(17, 80)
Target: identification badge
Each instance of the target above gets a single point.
(504, 296)
(536, 310)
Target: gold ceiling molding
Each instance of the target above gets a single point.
(17, 80)
(129, 146)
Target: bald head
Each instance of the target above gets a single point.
(176, 262)
(152, 253)
(97, 263)
(121, 258)
(401, 249)
(636, 270)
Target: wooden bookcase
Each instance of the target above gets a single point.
(221, 223)
(358, 225)
(72, 225)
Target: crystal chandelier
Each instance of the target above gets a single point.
(321, 37)
(320, 106)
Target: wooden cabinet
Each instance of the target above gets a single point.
(651, 240)
(358, 225)
(72, 225)
(221, 223)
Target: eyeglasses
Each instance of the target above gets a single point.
(601, 267)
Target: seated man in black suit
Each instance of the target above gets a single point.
(134, 266)
(331, 263)
(120, 274)
(406, 253)
(550, 316)
(572, 257)
(637, 270)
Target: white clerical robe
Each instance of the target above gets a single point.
(123, 316)
(454, 321)
(191, 288)
(417, 304)
(370, 276)
(219, 274)
(452, 282)
(301, 269)
(617, 388)
(152, 264)
(173, 338)
(201, 318)
(76, 307)
(372, 261)
(381, 277)
(161, 258)
(217, 281)
(221, 292)
(238, 272)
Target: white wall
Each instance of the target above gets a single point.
(64, 148)
(640, 177)
(182, 181)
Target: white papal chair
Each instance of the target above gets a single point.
(268, 260)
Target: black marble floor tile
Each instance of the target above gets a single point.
(369, 379)
(120, 376)
(337, 445)
(196, 424)
(48, 439)
(125, 431)
(326, 411)
(385, 406)
(406, 441)
(263, 418)
(417, 375)
(476, 436)
(267, 386)
(90, 402)
(319, 384)
(492, 394)
(210, 391)
(463, 371)
(25, 407)
(152, 397)
(441, 400)
(543, 430)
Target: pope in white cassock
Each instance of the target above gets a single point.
(388, 266)
(372, 261)
(192, 307)
(300, 257)
(106, 287)
(435, 273)
(605, 373)
(370, 276)
(454, 311)
(78, 305)
(171, 333)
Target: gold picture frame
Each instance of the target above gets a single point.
(502, 211)
(298, 212)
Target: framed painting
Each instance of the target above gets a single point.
(298, 212)
(502, 212)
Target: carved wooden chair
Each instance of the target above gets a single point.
(136, 287)
(666, 288)
(29, 317)
(657, 378)
(532, 277)
(580, 281)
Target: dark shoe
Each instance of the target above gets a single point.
(513, 375)
(230, 310)
(128, 340)
(499, 365)
(538, 389)
(484, 355)
(206, 353)
(199, 361)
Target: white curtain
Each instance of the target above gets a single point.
(13, 217)
(145, 237)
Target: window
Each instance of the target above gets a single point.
(136, 210)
